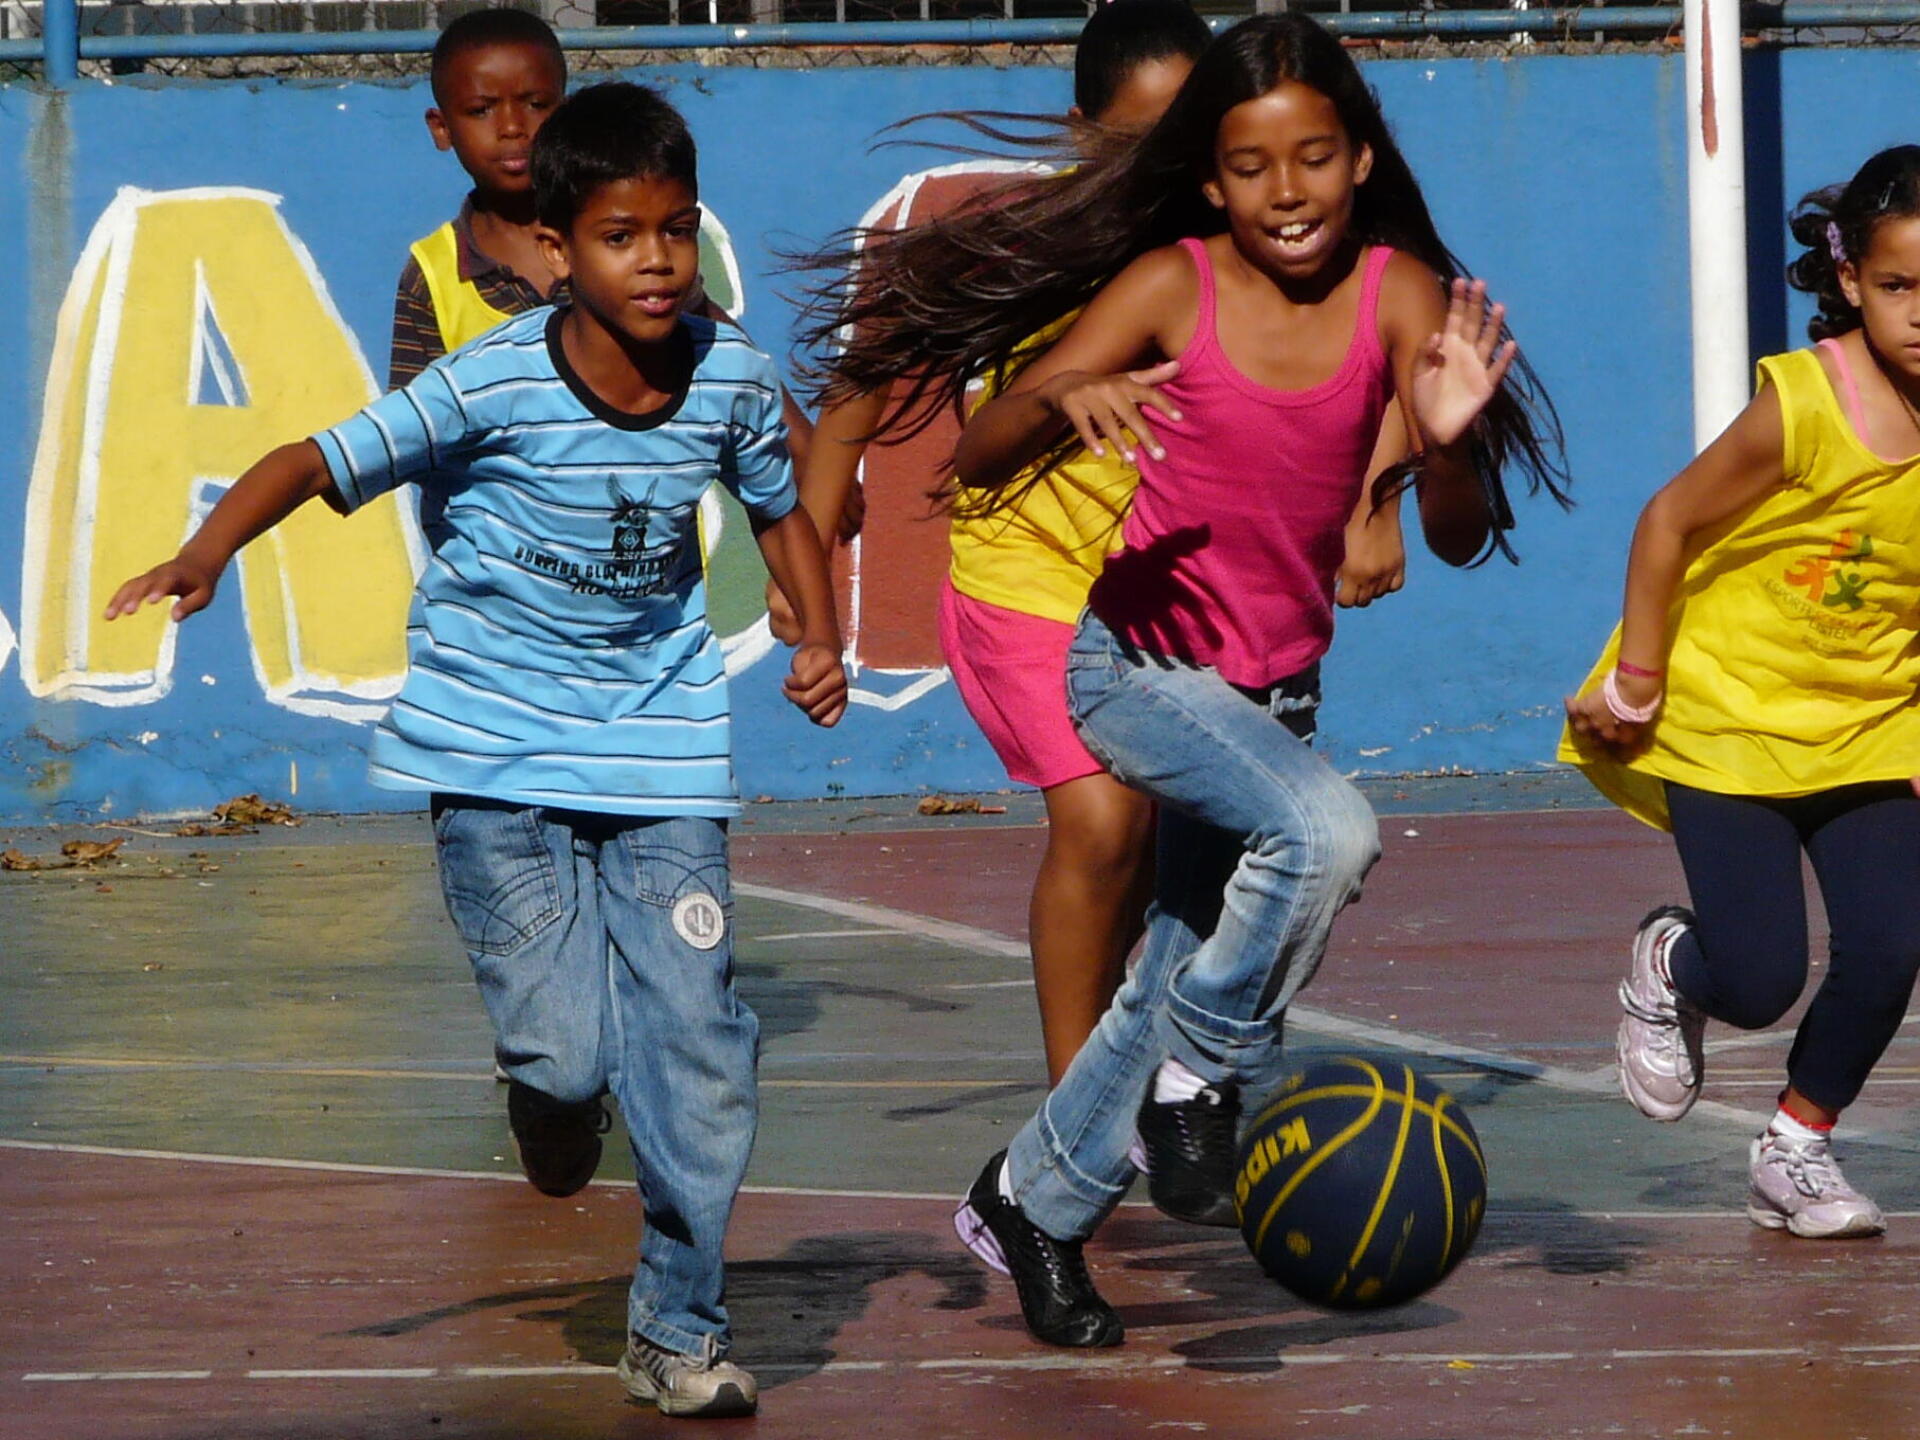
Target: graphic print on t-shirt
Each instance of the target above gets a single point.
(646, 552)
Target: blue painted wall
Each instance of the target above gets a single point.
(1559, 178)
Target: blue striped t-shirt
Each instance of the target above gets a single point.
(558, 644)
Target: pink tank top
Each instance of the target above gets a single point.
(1229, 555)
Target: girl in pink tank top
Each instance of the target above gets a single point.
(1269, 319)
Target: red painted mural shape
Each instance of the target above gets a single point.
(890, 577)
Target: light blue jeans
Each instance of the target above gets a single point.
(603, 946)
(1261, 845)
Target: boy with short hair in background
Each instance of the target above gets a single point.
(496, 76)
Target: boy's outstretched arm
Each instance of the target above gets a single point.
(272, 489)
(791, 547)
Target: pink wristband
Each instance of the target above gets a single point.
(1640, 670)
(1623, 712)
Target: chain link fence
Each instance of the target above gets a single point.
(579, 20)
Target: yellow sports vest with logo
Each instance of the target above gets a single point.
(1794, 659)
(1042, 551)
(457, 307)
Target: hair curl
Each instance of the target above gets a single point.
(1837, 223)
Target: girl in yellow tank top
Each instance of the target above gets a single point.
(1761, 699)
(1018, 582)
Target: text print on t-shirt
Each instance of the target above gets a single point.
(644, 556)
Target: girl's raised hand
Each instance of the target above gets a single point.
(193, 584)
(1458, 369)
(1108, 409)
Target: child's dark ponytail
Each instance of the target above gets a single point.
(1837, 223)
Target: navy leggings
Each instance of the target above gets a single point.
(1746, 964)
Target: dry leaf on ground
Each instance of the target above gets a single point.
(252, 810)
(76, 855)
(966, 805)
(91, 852)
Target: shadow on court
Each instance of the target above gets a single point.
(255, 1178)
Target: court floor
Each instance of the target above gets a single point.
(255, 1178)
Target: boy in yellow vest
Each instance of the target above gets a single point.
(496, 76)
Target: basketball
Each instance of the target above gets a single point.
(1360, 1185)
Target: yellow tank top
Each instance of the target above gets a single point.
(1041, 553)
(457, 307)
(1795, 658)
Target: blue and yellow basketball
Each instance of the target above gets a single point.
(1360, 1185)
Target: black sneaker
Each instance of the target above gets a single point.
(1056, 1293)
(559, 1145)
(1192, 1148)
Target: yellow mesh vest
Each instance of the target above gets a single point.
(1794, 658)
(457, 307)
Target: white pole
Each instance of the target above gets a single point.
(1716, 215)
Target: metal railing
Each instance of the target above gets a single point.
(69, 32)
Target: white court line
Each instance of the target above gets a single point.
(70, 1376)
(1078, 1363)
(964, 937)
(515, 1372)
(823, 934)
(471, 1077)
(1320, 1022)
(1495, 1216)
(1744, 1038)
(343, 1167)
(424, 1372)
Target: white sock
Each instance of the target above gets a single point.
(1174, 1083)
(1005, 1184)
(1788, 1128)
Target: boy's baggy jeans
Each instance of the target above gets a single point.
(1230, 774)
(603, 946)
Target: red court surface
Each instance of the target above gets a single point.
(252, 1169)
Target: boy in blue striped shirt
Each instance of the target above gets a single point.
(565, 704)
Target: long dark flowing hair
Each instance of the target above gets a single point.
(1837, 224)
(930, 308)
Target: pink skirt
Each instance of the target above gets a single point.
(1011, 669)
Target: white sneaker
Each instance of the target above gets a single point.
(1661, 1061)
(703, 1385)
(1796, 1185)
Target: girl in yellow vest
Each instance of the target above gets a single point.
(1761, 698)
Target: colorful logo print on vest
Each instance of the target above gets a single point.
(1827, 580)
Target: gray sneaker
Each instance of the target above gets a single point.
(1796, 1185)
(702, 1385)
(1661, 1059)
